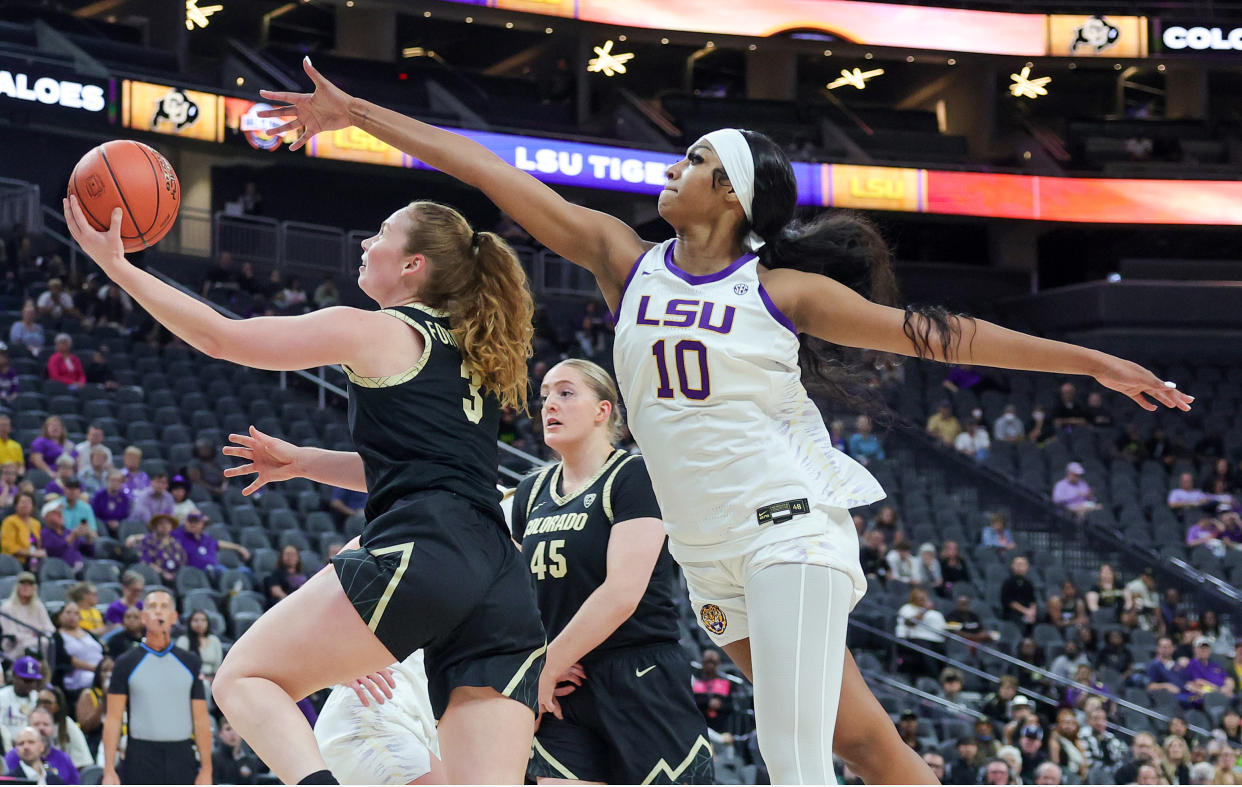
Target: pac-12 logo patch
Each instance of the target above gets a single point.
(713, 618)
(588, 500)
(741, 289)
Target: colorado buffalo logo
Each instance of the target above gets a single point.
(713, 618)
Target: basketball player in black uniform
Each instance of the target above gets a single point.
(435, 567)
(591, 532)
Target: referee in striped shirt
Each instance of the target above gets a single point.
(159, 686)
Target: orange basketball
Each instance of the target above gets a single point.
(129, 175)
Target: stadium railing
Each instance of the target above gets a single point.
(19, 204)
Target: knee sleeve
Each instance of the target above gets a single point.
(798, 620)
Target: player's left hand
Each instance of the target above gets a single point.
(379, 685)
(99, 246)
(1140, 385)
(547, 695)
(569, 680)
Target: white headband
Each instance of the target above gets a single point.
(739, 166)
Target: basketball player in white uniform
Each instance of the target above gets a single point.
(754, 496)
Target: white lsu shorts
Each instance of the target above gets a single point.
(717, 588)
(380, 744)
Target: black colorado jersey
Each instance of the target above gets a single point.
(432, 427)
(565, 542)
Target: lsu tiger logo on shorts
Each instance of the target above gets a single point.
(713, 618)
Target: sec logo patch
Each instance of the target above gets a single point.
(713, 618)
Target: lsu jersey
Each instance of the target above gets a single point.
(738, 454)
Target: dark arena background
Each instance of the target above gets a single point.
(1066, 168)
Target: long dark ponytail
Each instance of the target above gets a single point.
(846, 247)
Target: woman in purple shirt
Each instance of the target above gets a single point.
(49, 445)
(111, 504)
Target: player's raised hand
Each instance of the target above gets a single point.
(269, 458)
(327, 109)
(99, 246)
(1141, 385)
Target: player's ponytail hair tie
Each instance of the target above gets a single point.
(739, 166)
(474, 242)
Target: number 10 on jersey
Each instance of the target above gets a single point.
(690, 361)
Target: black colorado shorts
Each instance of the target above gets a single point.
(434, 572)
(632, 721)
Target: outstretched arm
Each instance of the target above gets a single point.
(829, 310)
(271, 459)
(321, 338)
(598, 242)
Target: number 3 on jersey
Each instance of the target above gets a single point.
(553, 563)
(472, 404)
(685, 370)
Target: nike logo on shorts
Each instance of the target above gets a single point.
(638, 673)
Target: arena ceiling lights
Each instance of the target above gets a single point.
(864, 23)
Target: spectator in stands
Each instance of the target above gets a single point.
(129, 635)
(973, 440)
(1039, 428)
(1230, 727)
(288, 576)
(94, 439)
(68, 545)
(1175, 764)
(136, 481)
(1204, 676)
(64, 471)
(1018, 602)
(66, 734)
(55, 302)
(1206, 532)
(76, 510)
(863, 445)
(86, 597)
(25, 759)
(1105, 594)
(206, 469)
(1226, 763)
(1220, 474)
(1064, 747)
(1068, 412)
(132, 586)
(183, 506)
(1069, 660)
(222, 276)
(1008, 428)
(77, 653)
(1129, 445)
(997, 535)
(985, 736)
(21, 533)
(1067, 608)
(1048, 773)
(27, 332)
(111, 505)
(199, 640)
(155, 501)
(951, 685)
(1115, 654)
(27, 618)
(953, 569)
(888, 522)
(9, 385)
(65, 367)
(326, 294)
(99, 371)
(158, 549)
(944, 424)
(1143, 599)
(1220, 633)
(95, 476)
(1103, 749)
(996, 771)
(936, 763)
(903, 566)
(201, 548)
(10, 450)
(1030, 652)
(1076, 697)
(929, 575)
(1186, 495)
(1202, 773)
(964, 769)
(51, 443)
(1097, 414)
(1163, 673)
(292, 299)
(1164, 449)
(908, 730)
(963, 621)
(836, 433)
(712, 691)
(919, 622)
(1073, 492)
(232, 761)
(874, 556)
(1143, 752)
(1031, 744)
(8, 484)
(112, 308)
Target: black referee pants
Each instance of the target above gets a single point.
(159, 762)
